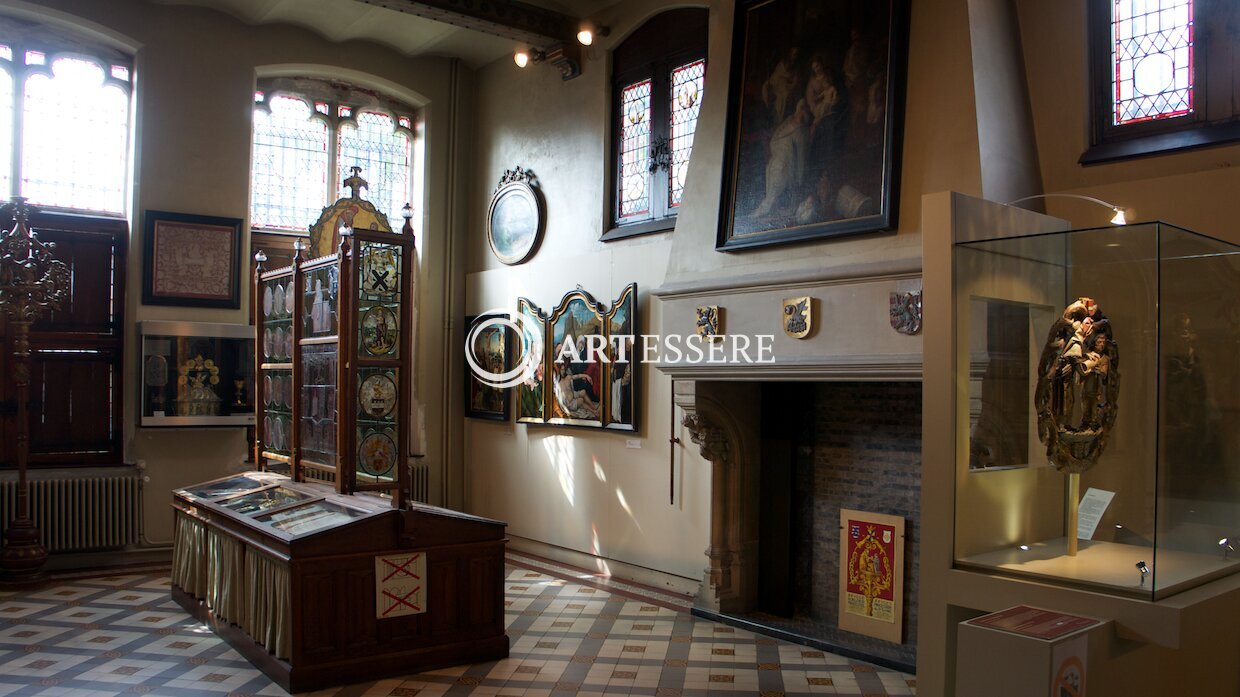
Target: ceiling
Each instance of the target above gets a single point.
(343, 20)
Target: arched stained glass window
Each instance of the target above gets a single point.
(385, 154)
(290, 161)
(308, 134)
(70, 113)
(658, 79)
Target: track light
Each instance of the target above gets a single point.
(525, 56)
(1120, 217)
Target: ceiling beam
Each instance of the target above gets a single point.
(509, 19)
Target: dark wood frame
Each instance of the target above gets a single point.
(1109, 142)
(470, 381)
(671, 38)
(54, 332)
(150, 232)
(886, 218)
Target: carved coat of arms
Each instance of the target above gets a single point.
(709, 325)
(798, 316)
(906, 312)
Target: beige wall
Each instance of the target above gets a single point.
(194, 73)
(1192, 189)
(591, 491)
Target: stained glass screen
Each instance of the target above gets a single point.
(634, 172)
(75, 137)
(289, 169)
(385, 156)
(687, 84)
(1152, 55)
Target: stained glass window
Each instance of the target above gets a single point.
(634, 188)
(687, 84)
(385, 156)
(306, 139)
(657, 84)
(290, 165)
(6, 131)
(1152, 53)
(75, 138)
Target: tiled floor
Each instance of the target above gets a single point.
(124, 635)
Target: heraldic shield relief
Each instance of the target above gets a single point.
(798, 316)
(871, 574)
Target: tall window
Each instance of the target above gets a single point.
(658, 76)
(64, 144)
(309, 133)
(70, 114)
(1154, 89)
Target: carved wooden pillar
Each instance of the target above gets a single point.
(723, 420)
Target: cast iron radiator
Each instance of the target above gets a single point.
(78, 510)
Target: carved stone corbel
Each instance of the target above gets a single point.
(712, 442)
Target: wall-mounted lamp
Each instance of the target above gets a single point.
(1120, 218)
(1226, 546)
(587, 32)
(566, 57)
(525, 56)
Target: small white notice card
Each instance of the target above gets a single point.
(1093, 505)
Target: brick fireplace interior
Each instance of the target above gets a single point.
(827, 446)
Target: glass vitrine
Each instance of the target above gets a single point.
(197, 374)
(1098, 445)
(334, 340)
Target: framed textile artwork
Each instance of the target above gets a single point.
(191, 260)
(814, 112)
(588, 374)
(531, 394)
(872, 574)
(492, 348)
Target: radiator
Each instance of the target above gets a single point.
(78, 512)
(420, 486)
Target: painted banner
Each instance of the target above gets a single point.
(872, 574)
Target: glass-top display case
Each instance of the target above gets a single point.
(197, 374)
(1099, 445)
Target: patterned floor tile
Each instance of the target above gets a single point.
(90, 637)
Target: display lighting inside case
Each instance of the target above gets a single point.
(1101, 433)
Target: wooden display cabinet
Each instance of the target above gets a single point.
(319, 568)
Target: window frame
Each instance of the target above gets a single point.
(337, 96)
(1109, 141)
(49, 334)
(656, 65)
(20, 72)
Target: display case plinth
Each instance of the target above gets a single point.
(1107, 565)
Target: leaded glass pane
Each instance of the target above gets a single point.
(1153, 59)
(290, 165)
(75, 139)
(634, 179)
(687, 83)
(384, 154)
(6, 133)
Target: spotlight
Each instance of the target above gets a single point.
(1120, 218)
(587, 32)
(1225, 545)
(1145, 570)
(521, 58)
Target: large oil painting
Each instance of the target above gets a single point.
(576, 379)
(813, 120)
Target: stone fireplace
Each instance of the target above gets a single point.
(834, 422)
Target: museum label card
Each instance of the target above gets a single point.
(1093, 505)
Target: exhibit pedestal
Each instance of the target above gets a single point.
(1027, 652)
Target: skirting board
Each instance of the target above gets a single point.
(659, 580)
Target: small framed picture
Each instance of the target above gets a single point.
(191, 260)
(490, 348)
